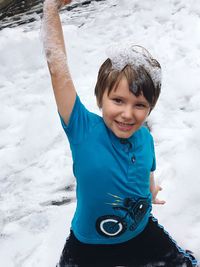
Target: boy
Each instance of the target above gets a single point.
(113, 158)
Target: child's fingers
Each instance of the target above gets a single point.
(62, 3)
(156, 200)
(67, 1)
(58, 4)
(159, 202)
(159, 188)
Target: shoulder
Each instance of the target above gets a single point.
(82, 123)
(81, 115)
(145, 139)
(144, 132)
(143, 135)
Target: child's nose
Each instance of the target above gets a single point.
(127, 113)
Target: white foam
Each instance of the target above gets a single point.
(122, 54)
(55, 54)
(36, 163)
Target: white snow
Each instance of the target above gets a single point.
(36, 165)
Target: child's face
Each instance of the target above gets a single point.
(122, 111)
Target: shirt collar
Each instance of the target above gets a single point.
(126, 144)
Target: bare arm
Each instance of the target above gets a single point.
(54, 46)
(154, 190)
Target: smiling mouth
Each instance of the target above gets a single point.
(124, 123)
(125, 126)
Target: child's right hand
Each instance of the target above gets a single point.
(57, 3)
(62, 3)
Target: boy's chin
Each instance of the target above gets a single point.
(123, 135)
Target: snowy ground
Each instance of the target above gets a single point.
(35, 157)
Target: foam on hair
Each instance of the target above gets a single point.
(136, 56)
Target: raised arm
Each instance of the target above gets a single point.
(54, 46)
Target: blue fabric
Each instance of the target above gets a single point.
(112, 175)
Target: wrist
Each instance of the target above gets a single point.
(153, 193)
(51, 6)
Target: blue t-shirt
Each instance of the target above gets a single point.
(113, 179)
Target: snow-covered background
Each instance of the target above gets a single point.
(37, 197)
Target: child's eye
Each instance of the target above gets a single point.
(141, 106)
(117, 100)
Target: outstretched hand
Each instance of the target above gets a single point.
(62, 3)
(155, 200)
(57, 3)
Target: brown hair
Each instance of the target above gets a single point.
(139, 80)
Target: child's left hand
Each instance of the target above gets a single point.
(155, 200)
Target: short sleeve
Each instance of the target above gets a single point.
(80, 122)
(153, 168)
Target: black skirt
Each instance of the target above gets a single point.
(153, 247)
